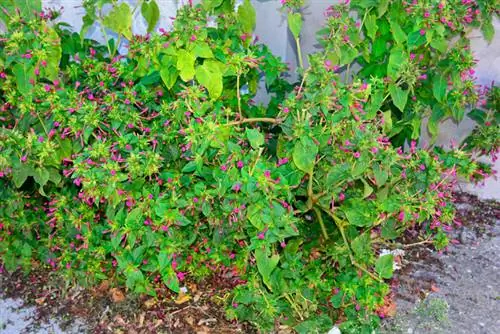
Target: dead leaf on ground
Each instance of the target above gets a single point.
(40, 301)
(117, 295)
(150, 303)
(182, 298)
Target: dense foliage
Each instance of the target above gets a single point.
(158, 166)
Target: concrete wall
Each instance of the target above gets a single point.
(272, 30)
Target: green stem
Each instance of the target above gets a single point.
(238, 95)
(321, 223)
(255, 120)
(340, 226)
(299, 52)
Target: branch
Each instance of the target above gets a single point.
(256, 120)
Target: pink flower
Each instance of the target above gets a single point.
(341, 197)
(164, 228)
(237, 187)
(40, 139)
(422, 167)
(422, 32)
(267, 174)
(223, 168)
(401, 216)
(261, 235)
(282, 161)
(240, 164)
(181, 276)
(357, 155)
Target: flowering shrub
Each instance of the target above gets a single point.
(158, 166)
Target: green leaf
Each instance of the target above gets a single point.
(488, 30)
(202, 50)
(397, 58)
(119, 19)
(266, 264)
(439, 85)
(246, 16)
(381, 175)
(151, 13)
(440, 44)
(20, 174)
(255, 138)
(399, 96)
(22, 72)
(359, 212)
(398, 33)
(54, 53)
(304, 154)
(88, 21)
(295, 24)
(382, 7)
(387, 121)
(367, 189)
(41, 176)
(210, 76)
(361, 246)
(169, 76)
(371, 26)
(415, 39)
(385, 266)
(478, 115)
(433, 123)
(185, 65)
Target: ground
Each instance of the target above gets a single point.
(455, 291)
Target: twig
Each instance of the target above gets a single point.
(255, 120)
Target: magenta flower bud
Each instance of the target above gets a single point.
(239, 164)
(261, 236)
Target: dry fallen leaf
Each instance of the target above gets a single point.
(182, 298)
(150, 303)
(40, 300)
(116, 295)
